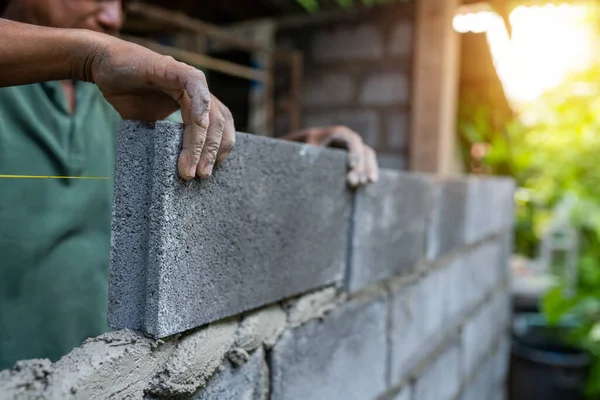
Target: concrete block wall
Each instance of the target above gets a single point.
(328, 294)
(357, 73)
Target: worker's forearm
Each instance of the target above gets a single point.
(30, 54)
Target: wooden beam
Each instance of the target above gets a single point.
(201, 60)
(435, 88)
(182, 21)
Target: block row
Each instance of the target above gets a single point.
(322, 345)
(274, 221)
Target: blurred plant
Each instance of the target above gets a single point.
(552, 153)
(313, 5)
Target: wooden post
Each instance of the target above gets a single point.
(435, 88)
(296, 77)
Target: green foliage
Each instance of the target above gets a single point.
(313, 5)
(555, 156)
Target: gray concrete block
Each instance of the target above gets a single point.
(485, 271)
(363, 122)
(456, 276)
(328, 89)
(490, 207)
(441, 380)
(389, 227)
(500, 361)
(248, 382)
(348, 42)
(391, 161)
(479, 336)
(341, 357)
(419, 321)
(385, 88)
(270, 223)
(447, 227)
(401, 39)
(507, 243)
(488, 381)
(405, 394)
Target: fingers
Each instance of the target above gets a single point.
(357, 162)
(209, 133)
(195, 110)
(219, 140)
(187, 85)
(228, 140)
(371, 166)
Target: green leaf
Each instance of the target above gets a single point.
(593, 380)
(555, 306)
(347, 4)
(309, 5)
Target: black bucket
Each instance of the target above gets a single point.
(542, 367)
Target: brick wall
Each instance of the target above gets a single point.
(357, 73)
(273, 281)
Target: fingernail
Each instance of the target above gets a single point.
(353, 179)
(208, 170)
(191, 173)
(223, 157)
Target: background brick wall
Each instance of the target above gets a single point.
(357, 73)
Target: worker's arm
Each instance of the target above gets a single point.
(139, 83)
(362, 160)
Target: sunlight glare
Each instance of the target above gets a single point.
(548, 43)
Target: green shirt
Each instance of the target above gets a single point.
(54, 233)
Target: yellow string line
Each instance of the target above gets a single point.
(96, 178)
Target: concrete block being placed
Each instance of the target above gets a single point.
(341, 357)
(390, 225)
(270, 223)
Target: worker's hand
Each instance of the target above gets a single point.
(362, 160)
(143, 85)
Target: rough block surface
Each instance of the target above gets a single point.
(405, 394)
(447, 228)
(481, 332)
(247, 382)
(441, 380)
(328, 359)
(389, 227)
(406, 331)
(489, 207)
(272, 222)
